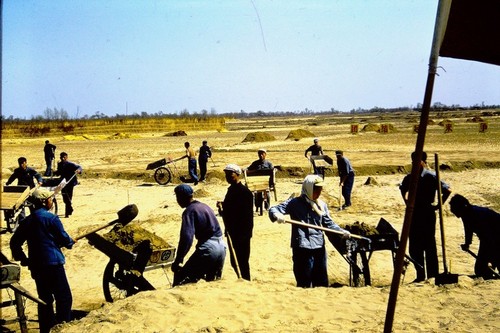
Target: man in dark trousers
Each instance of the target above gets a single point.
(315, 150)
(237, 213)
(204, 154)
(346, 174)
(200, 222)
(68, 171)
(49, 151)
(422, 238)
(485, 223)
(45, 235)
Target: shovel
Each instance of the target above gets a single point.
(312, 226)
(446, 277)
(125, 215)
(491, 269)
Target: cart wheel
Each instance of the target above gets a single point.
(163, 176)
(361, 273)
(118, 283)
(114, 282)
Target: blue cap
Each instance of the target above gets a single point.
(183, 190)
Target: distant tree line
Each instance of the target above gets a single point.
(61, 114)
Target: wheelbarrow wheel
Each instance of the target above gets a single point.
(114, 282)
(361, 271)
(118, 283)
(163, 176)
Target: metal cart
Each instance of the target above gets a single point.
(163, 172)
(358, 252)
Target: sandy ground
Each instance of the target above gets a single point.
(270, 302)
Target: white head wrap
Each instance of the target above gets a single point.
(307, 192)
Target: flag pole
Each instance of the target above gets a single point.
(439, 29)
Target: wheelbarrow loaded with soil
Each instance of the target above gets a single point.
(132, 250)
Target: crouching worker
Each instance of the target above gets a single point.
(485, 223)
(45, 235)
(198, 220)
(308, 244)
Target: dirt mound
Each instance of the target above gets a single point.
(445, 121)
(475, 119)
(200, 193)
(371, 128)
(176, 133)
(299, 134)
(131, 235)
(259, 137)
(371, 181)
(360, 228)
(120, 135)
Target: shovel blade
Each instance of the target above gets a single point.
(127, 214)
(446, 278)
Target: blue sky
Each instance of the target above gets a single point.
(124, 56)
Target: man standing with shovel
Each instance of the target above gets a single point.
(423, 226)
(237, 213)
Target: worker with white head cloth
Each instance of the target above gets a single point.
(308, 244)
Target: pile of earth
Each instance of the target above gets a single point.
(475, 119)
(299, 134)
(377, 128)
(129, 236)
(176, 133)
(258, 137)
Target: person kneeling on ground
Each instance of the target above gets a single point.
(198, 220)
(485, 223)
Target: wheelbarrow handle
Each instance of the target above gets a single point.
(312, 226)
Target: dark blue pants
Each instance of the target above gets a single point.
(422, 239)
(241, 246)
(48, 161)
(52, 284)
(203, 169)
(347, 189)
(309, 267)
(67, 194)
(192, 170)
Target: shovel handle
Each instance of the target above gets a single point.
(312, 226)
(95, 230)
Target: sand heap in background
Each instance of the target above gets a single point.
(299, 134)
(258, 137)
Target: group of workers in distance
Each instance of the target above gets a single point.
(45, 235)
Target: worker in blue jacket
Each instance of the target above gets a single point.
(45, 236)
(308, 244)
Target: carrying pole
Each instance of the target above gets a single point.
(439, 29)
